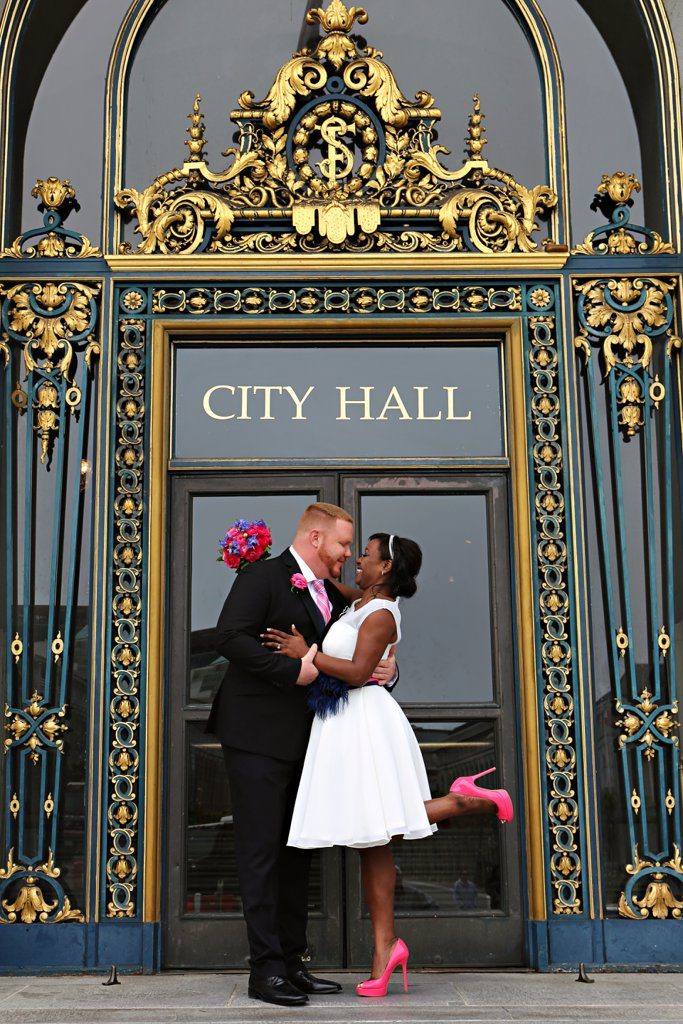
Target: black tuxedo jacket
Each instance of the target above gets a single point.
(259, 707)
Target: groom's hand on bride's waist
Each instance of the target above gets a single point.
(308, 671)
(385, 672)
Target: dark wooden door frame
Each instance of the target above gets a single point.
(340, 934)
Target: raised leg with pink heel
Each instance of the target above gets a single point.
(377, 987)
(466, 786)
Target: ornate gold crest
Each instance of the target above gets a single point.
(336, 157)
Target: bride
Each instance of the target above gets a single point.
(364, 782)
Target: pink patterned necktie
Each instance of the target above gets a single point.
(322, 600)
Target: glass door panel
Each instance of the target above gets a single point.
(447, 651)
(458, 872)
(204, 925)
(457, 687)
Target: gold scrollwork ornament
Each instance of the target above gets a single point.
(347, 199)
(646, 711)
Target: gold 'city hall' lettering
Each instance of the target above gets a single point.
(395, 403)
(260, 401)
(248, 390)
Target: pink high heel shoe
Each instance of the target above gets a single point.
(465, 786)
(377, 987)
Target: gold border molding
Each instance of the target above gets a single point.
(526, 263)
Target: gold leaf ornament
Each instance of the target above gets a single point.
(659, 899)
(619, 186)
(298, 77)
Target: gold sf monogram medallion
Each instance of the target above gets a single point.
(339, 160)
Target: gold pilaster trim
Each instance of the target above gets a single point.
(126, 654)
(158, 426)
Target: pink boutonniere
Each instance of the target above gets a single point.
(298, 581)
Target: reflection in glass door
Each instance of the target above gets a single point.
(458, 894)
(204, 925)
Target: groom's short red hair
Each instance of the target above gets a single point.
(317, 514)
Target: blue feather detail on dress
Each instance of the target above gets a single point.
(327, 696)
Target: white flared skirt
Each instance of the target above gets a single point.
(364, 779)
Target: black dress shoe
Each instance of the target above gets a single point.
(276, 990)
(305, 982)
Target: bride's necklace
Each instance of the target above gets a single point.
(366, 600)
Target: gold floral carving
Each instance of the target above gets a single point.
(624, 315)
(34, 725)
(627, 341)
(30, 904)
(47, 318)
(640, 720)
(620, 186)
(380, 172)
(658, 899)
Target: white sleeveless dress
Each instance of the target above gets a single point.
(363, 779)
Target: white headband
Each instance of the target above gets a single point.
(391, 546)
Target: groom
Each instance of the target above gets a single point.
(262, 719)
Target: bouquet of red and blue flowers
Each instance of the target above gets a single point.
(245, 543)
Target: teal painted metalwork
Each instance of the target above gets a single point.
(46, 327)
(627, 320)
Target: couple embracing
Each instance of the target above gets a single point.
(318, 752)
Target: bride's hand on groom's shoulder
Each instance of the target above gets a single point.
(291, 644)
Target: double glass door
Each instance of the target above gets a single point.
(458, 896)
